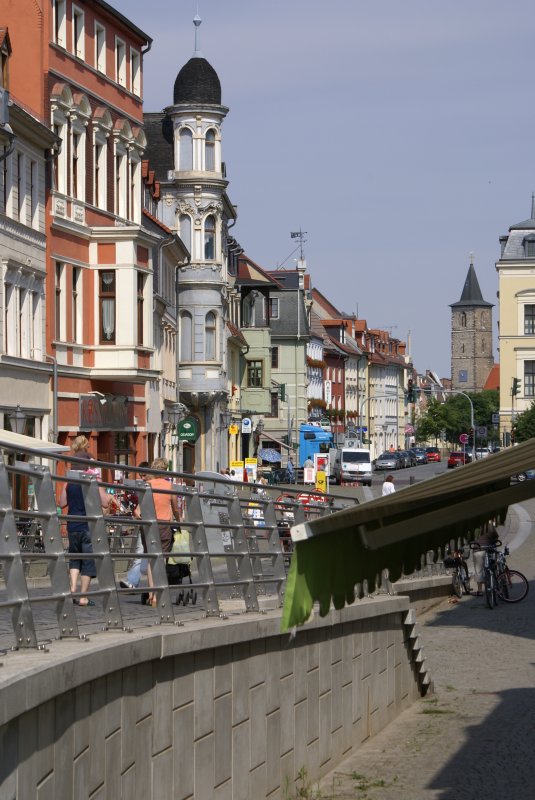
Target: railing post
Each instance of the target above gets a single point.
(16, 587)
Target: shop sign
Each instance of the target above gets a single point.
(236, 470)
(246, 425)
(106, 413)
(251, 466)
(187, 430)
(233, 429)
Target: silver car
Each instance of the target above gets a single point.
(389, 461)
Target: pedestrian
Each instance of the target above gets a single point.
(167, 509)
(290, 470)
(487, 538)
(388, 486)
(72, 499)
(139, 565)
(309, 464)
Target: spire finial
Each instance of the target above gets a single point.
(471, 259)
(533, 205)
(197, 22)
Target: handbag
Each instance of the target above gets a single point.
(181, 545)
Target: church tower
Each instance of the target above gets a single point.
(471, 337)
(184, 148)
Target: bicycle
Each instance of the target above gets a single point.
(512, 585)
(460, 579)
(489, 568)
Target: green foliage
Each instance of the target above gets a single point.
(453, 416)
(524, 427)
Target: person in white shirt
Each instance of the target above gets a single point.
(388, 485)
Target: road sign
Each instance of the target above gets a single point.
(463, 438)
(246, 425)
(495, 419)
(482, 431)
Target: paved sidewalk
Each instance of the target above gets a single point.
(475, 736)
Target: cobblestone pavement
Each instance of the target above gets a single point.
(474, 737)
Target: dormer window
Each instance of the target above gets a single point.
(529, 246)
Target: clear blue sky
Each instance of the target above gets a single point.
(399, 135)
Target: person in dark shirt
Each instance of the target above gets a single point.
(487, 537)
(79, 538)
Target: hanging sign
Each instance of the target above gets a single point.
(187, 430)
(246, 425)
(233, 429)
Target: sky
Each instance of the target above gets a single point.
(398, 135)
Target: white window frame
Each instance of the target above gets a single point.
(134, 187)
(78, 129)
(60, 120)
(120, 179)
(77, 304)
(100, 47)
(120, 61)
(21, 214)
(34, 194)
(59, 22)
(135, 72)
(78, 26)
(100, 159)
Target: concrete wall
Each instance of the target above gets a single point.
(217, 709)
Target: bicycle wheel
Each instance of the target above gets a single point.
(490, 588)
(512, 586)
(456, 583)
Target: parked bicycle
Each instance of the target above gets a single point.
(512, 585)
(500, 582)
(460, 579)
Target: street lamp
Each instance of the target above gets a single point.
(17, 419)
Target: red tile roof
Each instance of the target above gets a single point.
(493, 380)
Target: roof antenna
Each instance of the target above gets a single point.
(197, 22)
(533, 205)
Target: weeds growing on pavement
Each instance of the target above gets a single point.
(304, 789)
(364, 784)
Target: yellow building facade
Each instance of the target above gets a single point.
(516, 277)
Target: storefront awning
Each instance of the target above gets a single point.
(335, 553)
(12, 440)
(265, 435)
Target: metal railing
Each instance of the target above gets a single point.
(239, 545)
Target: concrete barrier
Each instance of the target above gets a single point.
(216, 709)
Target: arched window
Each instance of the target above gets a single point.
(209, 151)
(186, 336)
(185, 155)
(209, 336)
(185, 229)
(209, 238)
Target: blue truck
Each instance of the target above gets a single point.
(313, 439)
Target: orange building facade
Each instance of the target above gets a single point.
(78, 67)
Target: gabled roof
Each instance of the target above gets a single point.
(251, 274)
(325, 304)
(471, 295)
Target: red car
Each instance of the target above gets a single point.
(433, 454)
(458, 459)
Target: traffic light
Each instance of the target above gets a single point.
(516, 387)
(282, 391)
(410, 391)
(471, 437)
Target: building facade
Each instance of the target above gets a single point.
(516, 277)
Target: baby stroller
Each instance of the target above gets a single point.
(178, 566)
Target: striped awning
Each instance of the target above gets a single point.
(334, 554)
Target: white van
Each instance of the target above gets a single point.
(353, 464)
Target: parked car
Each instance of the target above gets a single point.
(433, 454)
(410, 458)
(482, 452)
(527, 475)
(419, 454)
(389, 461)
(458, 459)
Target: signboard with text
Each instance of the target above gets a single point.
(187, 430)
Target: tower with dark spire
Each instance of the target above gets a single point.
(471, 337)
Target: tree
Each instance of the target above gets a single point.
(524, 425)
